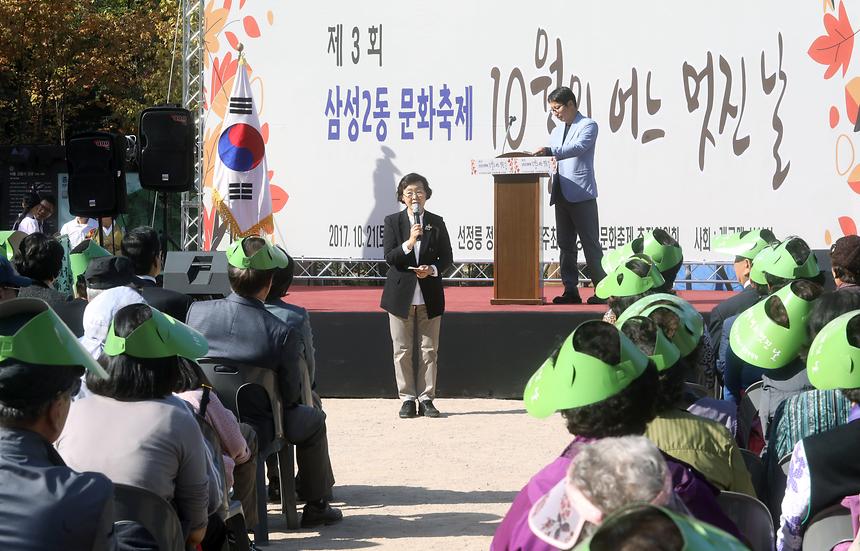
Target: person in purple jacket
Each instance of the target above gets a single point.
(603, 386)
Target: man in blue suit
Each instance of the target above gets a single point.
(573, 191)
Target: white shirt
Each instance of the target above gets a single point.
(76, 231)
(30, 225)
(417, 297)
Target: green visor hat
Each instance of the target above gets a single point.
(781, 264)
(78, 262)
(267, 258)
(45, 339)
(745, 244)
(697, 535)
(758, 339)
(664, 256)
(624, 282)
(691, 319)
(161, 336)
(10, 240)
(763, 259)
(573, 379)
(833, 362)
(686, 338)
(665, 354)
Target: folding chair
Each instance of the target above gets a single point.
(748, 412)
(752, 518)
(228, 379)
(157, 516)
(827, 528)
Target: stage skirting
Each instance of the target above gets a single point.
(485, 351)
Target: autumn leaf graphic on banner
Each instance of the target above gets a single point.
(834, 48)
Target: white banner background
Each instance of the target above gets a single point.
(339, 191)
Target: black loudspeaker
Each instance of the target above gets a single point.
(197, 273)
(166, 143)
(96, 165)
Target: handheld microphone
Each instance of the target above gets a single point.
(416, 212)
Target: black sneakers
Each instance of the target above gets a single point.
(320, 514)
(427, 409)
(407, 410)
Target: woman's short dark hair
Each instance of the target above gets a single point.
(191, 377)
(648, 529)
(39, 257)
(134, 379)
(828, 307)
(142, 247)
(247, 282)
(562, 95)
(51, 379)
(628, 412)
(408, 180)
(672, 380)
(281, 280)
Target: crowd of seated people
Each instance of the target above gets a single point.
(795, 342)
(101, 387)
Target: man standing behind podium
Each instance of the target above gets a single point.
(573, 191)
(418, 251)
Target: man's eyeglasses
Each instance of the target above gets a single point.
(558, 108)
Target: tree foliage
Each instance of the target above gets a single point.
(68, 66)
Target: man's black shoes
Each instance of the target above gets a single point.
(567, 299)
(407, 410)
(427, 409)
(317, 514)
(594, 299)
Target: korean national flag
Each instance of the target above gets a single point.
(241, 187)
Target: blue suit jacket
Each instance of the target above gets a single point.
(575, 178)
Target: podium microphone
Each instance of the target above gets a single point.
(511, 120)
(416, 212)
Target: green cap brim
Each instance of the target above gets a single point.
(761, 261)
(267, 258)
(693, 317)
(697, 535)
(78, 262)
(10, 241)
(576, 379)
(743, 244)
(614, 258)
(832, 361)
(664, 256)
(624, 282)
(761, 342)
(45, 339)
(161, 336)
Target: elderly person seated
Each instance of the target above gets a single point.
(605, 476)
(646, 527)
(603, 386)
(132, 428)
(41, 259)
(43, 503)
(845, 262)
(824, 467)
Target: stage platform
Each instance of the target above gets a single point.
(485, 350)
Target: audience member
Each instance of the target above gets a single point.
(297, 318)
(702, 443)
(239, 329)
(41, 258)
(111, 238)
(767, 339)
(38, 205)
(645, 527)
(77, 228)
(10, 282)
(845, 262)
(238, 442)
(603, 386)
(604, 477)
(143, 248)
(132, 428)
(659, 246)
(745, 246)
(44, 505)
(824, 467)
(631, 280)
(79, 260)
(107, 272)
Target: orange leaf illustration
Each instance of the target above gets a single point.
(848, 226)
(279, 197)
(834, 116)
(834, 48)
(852, 99)
(264, 131)
(854, 179)
(251, 27)
(231, 38)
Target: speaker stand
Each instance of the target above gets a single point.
(164, 236)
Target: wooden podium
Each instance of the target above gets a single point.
(517, 254)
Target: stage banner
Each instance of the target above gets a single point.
(713, 116)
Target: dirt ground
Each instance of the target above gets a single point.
(428, 484)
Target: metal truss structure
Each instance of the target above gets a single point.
(193, 50)
(335, 269)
